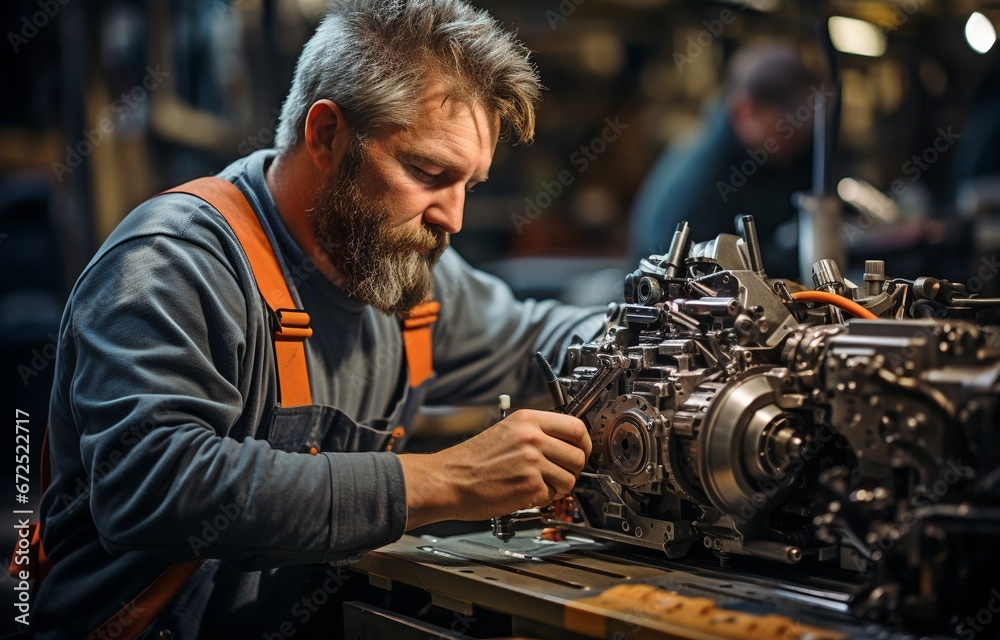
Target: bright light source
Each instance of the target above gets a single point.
(979, 32)
(861, 38)
(868, 200)
(767, 6)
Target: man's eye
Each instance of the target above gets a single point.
(422, 175)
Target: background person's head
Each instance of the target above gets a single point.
(770, 95)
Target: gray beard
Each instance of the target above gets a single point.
(389, 269)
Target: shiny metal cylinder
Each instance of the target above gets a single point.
(712, 306)
(678, 245)
(826, 277)
(776, 551)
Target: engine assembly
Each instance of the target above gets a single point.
(849, 430)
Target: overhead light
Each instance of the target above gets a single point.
(861, 38)
(979, 33)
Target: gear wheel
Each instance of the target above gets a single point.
(623, 442)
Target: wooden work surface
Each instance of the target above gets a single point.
(584, 589)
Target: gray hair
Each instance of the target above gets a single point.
(374, 58)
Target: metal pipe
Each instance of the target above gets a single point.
(775, 551)
(710, 306)
(678, 245)
(749, 231)
(975, 302)
(826, 117)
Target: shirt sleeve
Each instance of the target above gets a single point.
(158, 330)
(485, 337)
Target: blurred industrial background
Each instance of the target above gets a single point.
(106, 102)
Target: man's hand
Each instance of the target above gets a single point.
(526, 460)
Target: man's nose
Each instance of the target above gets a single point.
(447, 210)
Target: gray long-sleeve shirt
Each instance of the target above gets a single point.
(164, 435)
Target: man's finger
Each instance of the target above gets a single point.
(568, 456)
(565, 428)
(558, 480)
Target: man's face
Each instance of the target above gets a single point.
(386, 212)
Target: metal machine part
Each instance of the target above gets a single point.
(730, 419)
(503, 526)
(826, 277)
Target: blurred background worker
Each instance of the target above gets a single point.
(751, 156)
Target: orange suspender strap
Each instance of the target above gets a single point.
(293, 324)
(293, 377)
(290, 362)
(417, 340)
(136, 616)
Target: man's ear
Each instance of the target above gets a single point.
(326, 135)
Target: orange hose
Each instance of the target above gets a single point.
(848, 305)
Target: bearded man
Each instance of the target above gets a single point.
(172, 440)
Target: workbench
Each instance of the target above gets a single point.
(580, 588)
